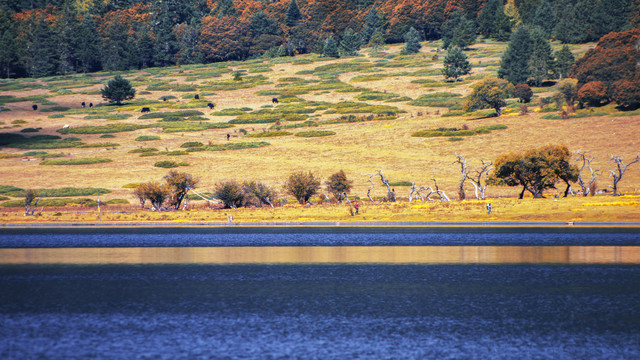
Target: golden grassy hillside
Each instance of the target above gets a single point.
(310, 88)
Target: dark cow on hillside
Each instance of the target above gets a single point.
(83, 104)
(196, 96)
(145, 109)
(34, 107)
(274, 100)
(90, 105)
(211, 106)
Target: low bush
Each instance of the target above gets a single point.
(315, 133)
(449, 132)
(107, 136)
(29, 130)
(79, 161)
(143, 150)
(191, 144)
(102, 129)
(97, 145)
(108, 117)
(147, 138)
(439, 99)
(171, 114)
(55, 108)
(268, 134)
(236, 146)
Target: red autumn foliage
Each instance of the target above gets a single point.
(593, 93)
(626, 93)
(223, 39)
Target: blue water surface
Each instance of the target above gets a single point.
(320, 312)
(316, 236)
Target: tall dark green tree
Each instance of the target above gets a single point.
(612, 15)
(350, 43)
(330, 48)
(66, 32)
(188, 36)
(372, 23)
(114, 47)
(412, 42)
(88, 50)
(293, 14)
(45, 60)
(541, 61)
(564, 61)
(493, 22)
(145, 48)
(226, 8)
(585, 21)
(544, 17)
(458, 31)
(456, 64)
(514, 65)
(566, 29)
(8, 46)
(118, 90)
(166, 41)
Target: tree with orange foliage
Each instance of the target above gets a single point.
(223, 39)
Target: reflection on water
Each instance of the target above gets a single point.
(328, 255)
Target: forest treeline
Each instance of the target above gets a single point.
(52, 37)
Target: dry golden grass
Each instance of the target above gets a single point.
(357, 148)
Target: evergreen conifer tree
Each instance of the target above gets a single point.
(455, 64)
(493, 22)
(66, 30)
(114, 46)
(412, 42)
(564, 61)
(117, 90)
(45, 61)
(585, 20)
(514, 65)
(372, 24)
(8, 46)
(146, 46)
(541, 60)
(566, 29)
(330, 48)
(226, 8)
(88, 50)
(166, 41)
(293, 14)
(350, 43)
(545, 17)
(458, 31)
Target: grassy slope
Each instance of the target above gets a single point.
(358, 148)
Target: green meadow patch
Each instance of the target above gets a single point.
(102, 129)
(315, 133)
(268, 134)
(143, 150)
(61, 192)
(147, 138)
(38, 142)
(79, 161)
(440, 99)
(348, 107)
(53, 202)
(230, 112)
(450, 132)
(172, 114)
(108, 117)
(236, 146)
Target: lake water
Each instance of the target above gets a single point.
(320, 293)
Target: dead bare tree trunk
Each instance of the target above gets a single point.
(391, 194)
(587, 188)
(463, 169)
(371, 188)
(29, 206)
(476, 179)
(619, 171)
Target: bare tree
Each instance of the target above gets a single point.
(465, 173)
(477, 177)
(391, 194)
(29, 204)
(617, 173)
(425, 192)
(371, 188)
(590, 187)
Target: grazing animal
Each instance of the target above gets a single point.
(274, 100)
(34, 107)
(90, 105)
(196, 96)
(66, 126)
(164, 99)
(83, 104)
(210, 105)
(145, 109)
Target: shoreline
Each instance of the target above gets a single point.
(327, 224)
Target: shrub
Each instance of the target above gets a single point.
(143, 150)
(315, 133)
(171, 114)
(102, 129)
(107, 136)
(269, 134)
(230, 193)
(523, 92)
(55, 108)
(302, 186)
(236, 146)
(338, 184)
(79, 161)
(147, 138)
(191, 144)
(107, 144)
(28, 130)
(627, 93)
(448, 132)
(593, 93)
(166, 164)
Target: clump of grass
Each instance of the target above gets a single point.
(185, 126)
(380, 96)
(108, 117)
(98, 145)
(315, 133)
(173, 152)
(308, 123)
(246, 82)
(147, 138)
(102, 129)
(439, 99)
(269, 134)
(29, 130)
(107, 136)
(168, 164)
(171, 114)
(401, 183)
(455, 132)
(53, 202)
(79, 161)
(55, 108)
(143, 150)
(37, 142)
(348, 107)
(236, 146)
(191, 144)
(61, 192)
(230, 112)
(19, 122)
(455, 138)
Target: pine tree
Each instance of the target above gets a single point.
(166, 41)
(114, 46)
(455, 64)
(8, 46)
(566, 29)
(564, 60)
(541, 60)
(412, 42)
(493, 22)
(226, 8)
(293, 14)
(66, 38)
(350, 43)
(146, 46)
(511, 10)
(330, 48)
(88, 50)
(45, 61)
(372, 24)
(514, 65)
(117, 90)
(545, 17)
(585, 20)
(458, 31)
